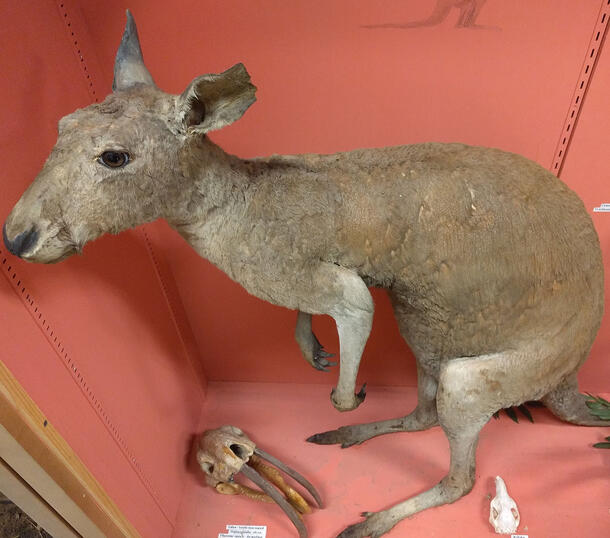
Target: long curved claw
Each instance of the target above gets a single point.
(288, 509)
(271, 473)
(291, 473)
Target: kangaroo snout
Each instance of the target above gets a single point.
(22, 242)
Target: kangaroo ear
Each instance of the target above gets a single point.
(213, 101)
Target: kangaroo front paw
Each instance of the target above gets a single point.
(313, 352)
(350, 402)
(320, 357)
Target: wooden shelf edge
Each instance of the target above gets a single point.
(55, 460)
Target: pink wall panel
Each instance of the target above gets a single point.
(326, 84)
(586, 171)
(37, 365)
(115, 375)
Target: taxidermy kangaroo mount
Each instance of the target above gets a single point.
(492, 264)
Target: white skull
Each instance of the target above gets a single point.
(222, 453)
(503, 512)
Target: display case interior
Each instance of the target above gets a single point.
(138, 345)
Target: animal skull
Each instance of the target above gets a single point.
(222, 453)
(226, 451)
(503, 512)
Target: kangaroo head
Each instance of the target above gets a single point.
(126, 161)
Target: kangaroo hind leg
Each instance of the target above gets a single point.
(566, 403)
(465, 402)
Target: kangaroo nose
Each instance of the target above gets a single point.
(22, 242)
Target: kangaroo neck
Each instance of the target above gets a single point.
(215, 193)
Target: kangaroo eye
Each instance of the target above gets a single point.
(114, 159)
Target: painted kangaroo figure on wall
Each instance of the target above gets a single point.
(492, 264)
(469, 12)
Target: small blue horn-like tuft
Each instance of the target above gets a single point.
(129, 68)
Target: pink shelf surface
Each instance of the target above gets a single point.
(558, 480)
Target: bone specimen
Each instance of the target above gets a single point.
(503, 512)
(226, 451)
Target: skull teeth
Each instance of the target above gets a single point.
(288, 509)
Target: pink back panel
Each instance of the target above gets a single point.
(126, 364)
(586, 171)
(328, 84)
(92, 339)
